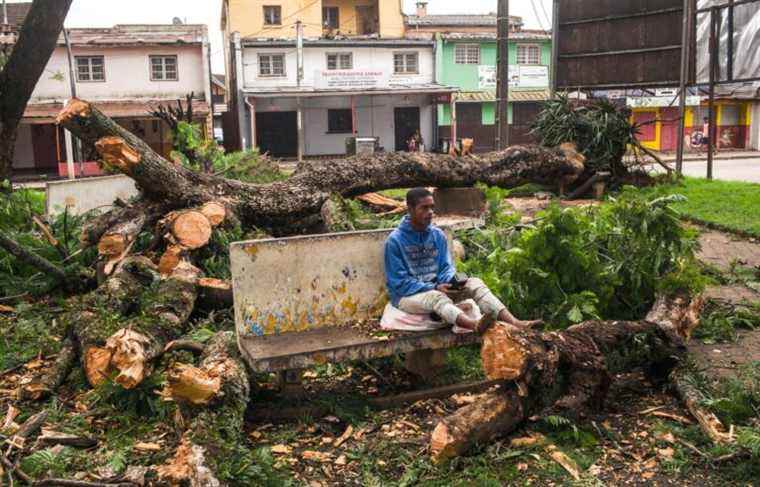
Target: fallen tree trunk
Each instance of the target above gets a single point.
(213, 398)
(561, 372)
(304, 193)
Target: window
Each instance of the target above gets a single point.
(406, 63)
(90, 68)
(467, 54)
(272, 15)
(339, 121)
(330, 17)
(528, 54)
(340, 60)
(272, 65)
(163, 68)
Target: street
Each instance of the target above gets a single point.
(747, 170)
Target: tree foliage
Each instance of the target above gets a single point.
(574, 264)
(601, 130)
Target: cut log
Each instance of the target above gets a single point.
(134, 347)
(116, 240)
(303, 194)
(171, 259)
(215, 212)
(382, 203)
(491, 415)
(191, 229)
(191, 384)
(215, 425)
(214, 293)
(561, 371)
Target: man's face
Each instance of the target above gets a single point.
(422, 214)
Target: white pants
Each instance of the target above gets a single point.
(442, 305)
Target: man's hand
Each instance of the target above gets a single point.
(444, 288)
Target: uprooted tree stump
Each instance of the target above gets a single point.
(562, 372)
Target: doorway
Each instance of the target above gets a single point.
(406, 121)
(44, 147)
(277, 133)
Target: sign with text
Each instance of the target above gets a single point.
(350, 79)
(660, 101)
(519, 76)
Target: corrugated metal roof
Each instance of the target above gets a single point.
(362, 41)
(491, 36)
(17, 13)
(469, 20)
(514, 95)
(137, 35)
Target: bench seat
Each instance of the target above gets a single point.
(336, 344)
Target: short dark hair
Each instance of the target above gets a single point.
(413, 196)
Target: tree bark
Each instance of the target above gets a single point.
(214, 408)
(304, 193)
(36, 43)
(562, 372)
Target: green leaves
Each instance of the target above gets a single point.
(578, 264)
(601, 131)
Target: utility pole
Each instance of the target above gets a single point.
(72, 146)
(502, 75)
(299, 78)
(685, 56)
(5, 13)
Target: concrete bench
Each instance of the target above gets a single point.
(311, 300)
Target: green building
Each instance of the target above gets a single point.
(468, 61)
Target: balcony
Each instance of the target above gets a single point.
(346, 18)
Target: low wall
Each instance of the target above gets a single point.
(83, 195)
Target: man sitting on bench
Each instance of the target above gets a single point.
(420, 273)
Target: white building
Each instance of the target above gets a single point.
(127, 71)
(365, 87)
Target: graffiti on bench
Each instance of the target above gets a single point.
(303, 283)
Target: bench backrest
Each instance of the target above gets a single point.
(296, 284)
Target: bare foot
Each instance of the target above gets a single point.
(528, 323)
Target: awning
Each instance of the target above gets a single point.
(428, 89)
(514, 96)
(47, 112)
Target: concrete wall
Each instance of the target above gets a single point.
(82, 195)
(754, 136)
(374, 117)
(315, 60)
(23, 156)
(465, 76)
(127, 73)
(247, 17)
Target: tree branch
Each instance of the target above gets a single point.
(32, 259)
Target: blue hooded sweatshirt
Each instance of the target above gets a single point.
(416, 262)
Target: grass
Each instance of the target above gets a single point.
(728, 204)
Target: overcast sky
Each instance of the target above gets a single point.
(104, 13)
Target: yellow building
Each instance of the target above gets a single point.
(276, 19)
